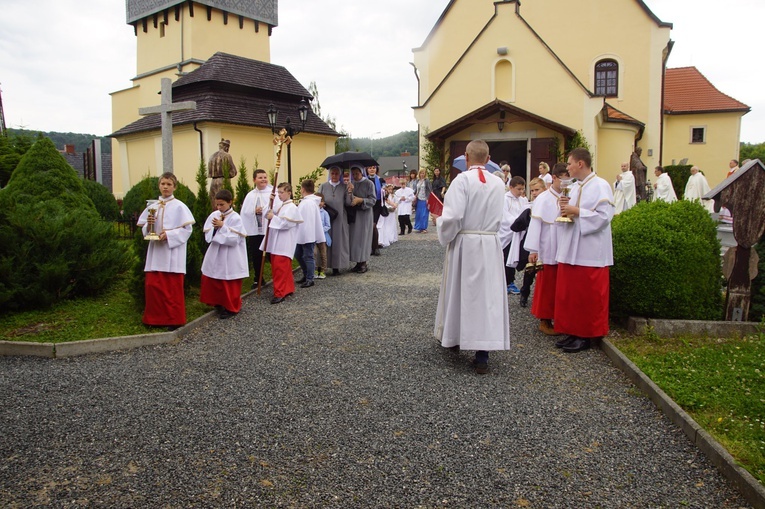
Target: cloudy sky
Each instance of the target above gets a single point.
(59, 63)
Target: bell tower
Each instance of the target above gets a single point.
(174, 37)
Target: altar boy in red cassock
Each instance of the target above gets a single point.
(166, 258)
(225, 263)
(542, 244)
(584, 255)
(282, 241)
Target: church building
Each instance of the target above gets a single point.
(217, 53)
(526, 78)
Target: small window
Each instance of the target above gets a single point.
(607, 78)
(698, 134)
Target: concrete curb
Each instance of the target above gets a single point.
(673, 328)
(102, 345)
(749, 487)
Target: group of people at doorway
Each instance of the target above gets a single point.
(485, 229)
(325, 232)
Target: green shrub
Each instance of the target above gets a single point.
(666, 263)
(202, 208)
(133, 205)
(679, 174)
(105, 203)
(53, 243)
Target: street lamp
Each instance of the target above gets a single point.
(273, 115)
(371, 140)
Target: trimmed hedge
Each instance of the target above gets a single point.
(103, 199)
(53, 242)
(666, 263)
(679, 174)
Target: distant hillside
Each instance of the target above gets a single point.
(81, 142)
(405, 141)
(392, 146)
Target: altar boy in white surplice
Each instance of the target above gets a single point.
(166, 258)
(472, 309)
(225, 263)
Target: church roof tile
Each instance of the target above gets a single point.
(686, 90)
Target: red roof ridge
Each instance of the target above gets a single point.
(687, 90)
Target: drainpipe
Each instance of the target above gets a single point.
(661, 111)
(419, 134)
(201, 146)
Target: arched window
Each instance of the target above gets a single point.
(607, 78)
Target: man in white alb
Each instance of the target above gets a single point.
(472, 309)
(624, 190)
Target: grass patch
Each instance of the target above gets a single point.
(109, 315)
(719, 382)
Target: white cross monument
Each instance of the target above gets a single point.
(166, 109)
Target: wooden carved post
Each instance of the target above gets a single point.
(743, 193)
(280, 140)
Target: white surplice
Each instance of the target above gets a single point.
(175, 219)
(697, 187)
(282, 234)
(587, 241)
(512, 208)
(226, 256)
(311, 229)
(257, 198)
(664, 190)
(624, 192)
(472, 303)
(542, 236)
(404, 198)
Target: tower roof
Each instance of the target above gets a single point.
(259, 10)
(234, 90)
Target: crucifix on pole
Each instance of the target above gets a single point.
(166, 109)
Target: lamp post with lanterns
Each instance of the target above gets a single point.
(292, 131)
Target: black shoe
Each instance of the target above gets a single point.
(577, 346)
(565, 341)
(363, 268)
(524, 301)
(171, 328)
(481, 368)
(301, 280)
(277, 300)
(410, 231)
(376, 252)
(225, 314)
(335, 272)
(307, 284)
(356, 267)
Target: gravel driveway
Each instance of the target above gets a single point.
(340, 397)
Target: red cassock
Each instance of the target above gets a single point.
(222, 292)
(281, 271)
(588, 288)
(165, 302)
(543, 306)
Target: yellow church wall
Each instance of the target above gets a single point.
(142, 153)
(456, 32)
(161, 46)
(721, 145)
(540, 84)
(615, 145)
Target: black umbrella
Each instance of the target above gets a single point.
(346, 159)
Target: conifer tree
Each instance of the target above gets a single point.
(242, 185)
(53, 243)
(202, 206)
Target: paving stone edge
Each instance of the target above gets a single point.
(747, 485)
